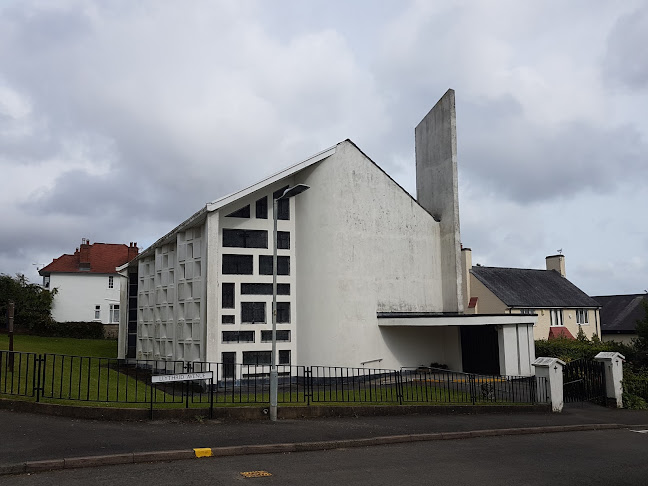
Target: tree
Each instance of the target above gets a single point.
(33, 304)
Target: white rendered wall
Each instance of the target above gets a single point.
(79, 293)
(364, 246)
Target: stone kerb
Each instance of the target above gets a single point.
(613, 362)
(551, 369)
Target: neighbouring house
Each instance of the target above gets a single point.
(87, 283)
(619, 316)
(560, 306)
(368, 276)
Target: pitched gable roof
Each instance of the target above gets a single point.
(620, 313)
(101, 258)
(522, 287)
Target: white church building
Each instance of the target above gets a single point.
(367, 274)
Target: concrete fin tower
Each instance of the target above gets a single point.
(437, 190)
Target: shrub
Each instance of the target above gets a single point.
(33, 304)
(78, 330)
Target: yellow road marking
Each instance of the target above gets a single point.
(203, 452)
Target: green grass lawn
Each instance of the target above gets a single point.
(104, 348)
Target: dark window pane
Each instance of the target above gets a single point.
(283, 240)
(253, 312)
(262, 208)
(283, 207)
(284, 357)
(264, 289)
(282, 336)
(227, 319)
(237, 264)
(283, 312)
(242, 238)
(228, 296)
(244, 212)
(257, 357)
(265, 265)
(238, 336)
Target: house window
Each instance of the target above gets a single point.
(97, 312)
(253, 312)
(282, 336)
(262, 208)
(581, 316)
(283, 205)
(527, 311)
(557, 317)
(244, 212)
(265, 265)
(238, 336)
(284, 357)
(114, 313)
(111, 282)
(237, 264)
(227, 319)
(242, 238)
(228, 296)
(283, 312)
(264, 289)
(257, 357)
(46, 281)
(283, 240)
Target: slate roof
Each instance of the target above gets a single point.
(103, 258)
(522, 287)
(620, 313)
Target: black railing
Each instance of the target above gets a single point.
(56, 377)
(584, 380)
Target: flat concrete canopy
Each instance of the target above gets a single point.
(424, 319)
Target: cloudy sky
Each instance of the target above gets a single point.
(119, 119)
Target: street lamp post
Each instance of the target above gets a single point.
(274, 379)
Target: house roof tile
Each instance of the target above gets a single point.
(101, 258)
(522, 287)
(620, 313)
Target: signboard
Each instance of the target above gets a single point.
(202, 375)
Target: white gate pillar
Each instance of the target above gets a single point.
(551, 371)
(613, 375)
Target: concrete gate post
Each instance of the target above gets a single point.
(613, 375)
(551, 370)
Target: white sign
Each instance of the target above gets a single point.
(202, 375)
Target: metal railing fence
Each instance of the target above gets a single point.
(57, 377)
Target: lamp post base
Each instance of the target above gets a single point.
(273, 394)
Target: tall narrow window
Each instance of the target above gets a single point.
(556, 317)
(262, 208)
(284, 357)
(111, 282)
(97, 312)
(228, 296)
(283, 206)
(283, 312)
(283, 240)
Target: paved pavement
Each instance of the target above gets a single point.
(32, 437)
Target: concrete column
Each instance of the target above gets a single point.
(551, 370)
(613, 375)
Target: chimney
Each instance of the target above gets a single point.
(133, 251)
(557, 263)
(84, 255)
(437, 191)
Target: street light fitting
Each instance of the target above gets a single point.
(293, 191)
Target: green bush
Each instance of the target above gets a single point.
(33, 304)
(573, 349)
(635, 389)
(78, 330)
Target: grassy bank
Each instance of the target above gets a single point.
(103, 348)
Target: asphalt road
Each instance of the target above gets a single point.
(611, 457)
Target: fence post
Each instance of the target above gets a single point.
(308, 385)
(399, 386)
(473, 388)
(551, 369)
(38, 377)
(613, 362)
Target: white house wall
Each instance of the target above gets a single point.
(364, 246)
(78, 294)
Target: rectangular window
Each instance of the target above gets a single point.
(242, 238)
(111, 282)
(527, 311)
(97, 312)
(237, 264)
(283, 205)
(253, 312)
(581, 316)
(257, 357)
(283, 240)
(264, 289)
(262, 208)
(227, 319)
(282, 336)
(238, 336)
(228, 296)
(556, 317)
(265, 265)
(284, 357)
(114, 313)
(283, 312)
